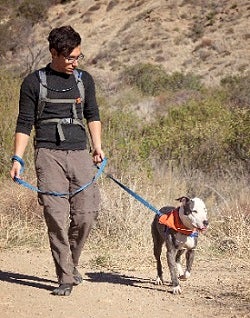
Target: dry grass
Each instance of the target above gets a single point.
(123, 227)
(21, 221)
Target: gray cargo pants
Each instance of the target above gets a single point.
(69, 219)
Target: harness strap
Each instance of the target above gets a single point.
(43, 92)
(78, 78)
(59, 100)
(63, 121)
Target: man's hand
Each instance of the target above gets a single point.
(15, 170)
(98, 156)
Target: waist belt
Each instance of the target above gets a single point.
(62, 121)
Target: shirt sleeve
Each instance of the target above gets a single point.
(91, 109)
(29, 94)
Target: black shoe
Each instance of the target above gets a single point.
(77, 277)
(63, 290)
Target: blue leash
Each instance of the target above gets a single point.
(100, 171)
(136, 196)
(57, 194)
(143, 201)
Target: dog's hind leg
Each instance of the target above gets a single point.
(157, 253)
(158, 243)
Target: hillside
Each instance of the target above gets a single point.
(209, 38)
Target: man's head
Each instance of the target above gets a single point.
(64, 46)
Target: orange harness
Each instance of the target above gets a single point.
(173, 221)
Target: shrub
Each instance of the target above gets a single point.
(9, 96)
(178, 81)
(8, 108)
(20, 15)
(121, 131)
(153, 80)
(150, 79)
(237, 88)
(33, 10)
(5, 38)
(202, 135)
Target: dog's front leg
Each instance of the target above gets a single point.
(171, 258)
(189, 263)
(178, 263)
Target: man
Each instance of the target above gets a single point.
(55, 100)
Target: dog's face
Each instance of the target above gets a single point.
(193, 213)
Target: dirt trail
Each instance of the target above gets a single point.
(218, 288)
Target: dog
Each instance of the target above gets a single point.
(179, 236)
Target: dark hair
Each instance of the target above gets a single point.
(64, 40)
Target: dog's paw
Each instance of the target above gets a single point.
(185, 276)
(159, 281)
(179, 270)
(177, 290)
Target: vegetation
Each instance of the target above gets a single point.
(20, 15)
(192, 140)
(153, 80)
(199, 147)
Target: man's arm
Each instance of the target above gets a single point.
(95, 134)
(20, 144)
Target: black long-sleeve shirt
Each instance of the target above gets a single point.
(46, 135)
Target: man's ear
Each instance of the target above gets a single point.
(54, 53)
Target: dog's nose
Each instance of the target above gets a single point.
(205, 223)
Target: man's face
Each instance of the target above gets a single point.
(66, 64)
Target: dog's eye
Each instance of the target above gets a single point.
(194, 211)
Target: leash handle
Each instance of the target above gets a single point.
(20, 160)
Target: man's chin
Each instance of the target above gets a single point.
(69, 72)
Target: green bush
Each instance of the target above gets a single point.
(153, 80)
(5, 36)
(9, 98)
(237, 88)
(179, 81)
(239, 137)
(36, 11)
(9, 95)
(33, 10)
(203, 135)
(20, 15)
(121, 131)
(150, 79)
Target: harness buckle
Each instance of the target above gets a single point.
(66, 121)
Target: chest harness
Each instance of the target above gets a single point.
(43, 99)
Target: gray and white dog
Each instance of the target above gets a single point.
(193, 216)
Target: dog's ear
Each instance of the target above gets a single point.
(183, 199)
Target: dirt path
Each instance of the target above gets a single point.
(218, 288)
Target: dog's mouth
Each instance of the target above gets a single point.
(203, 229)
